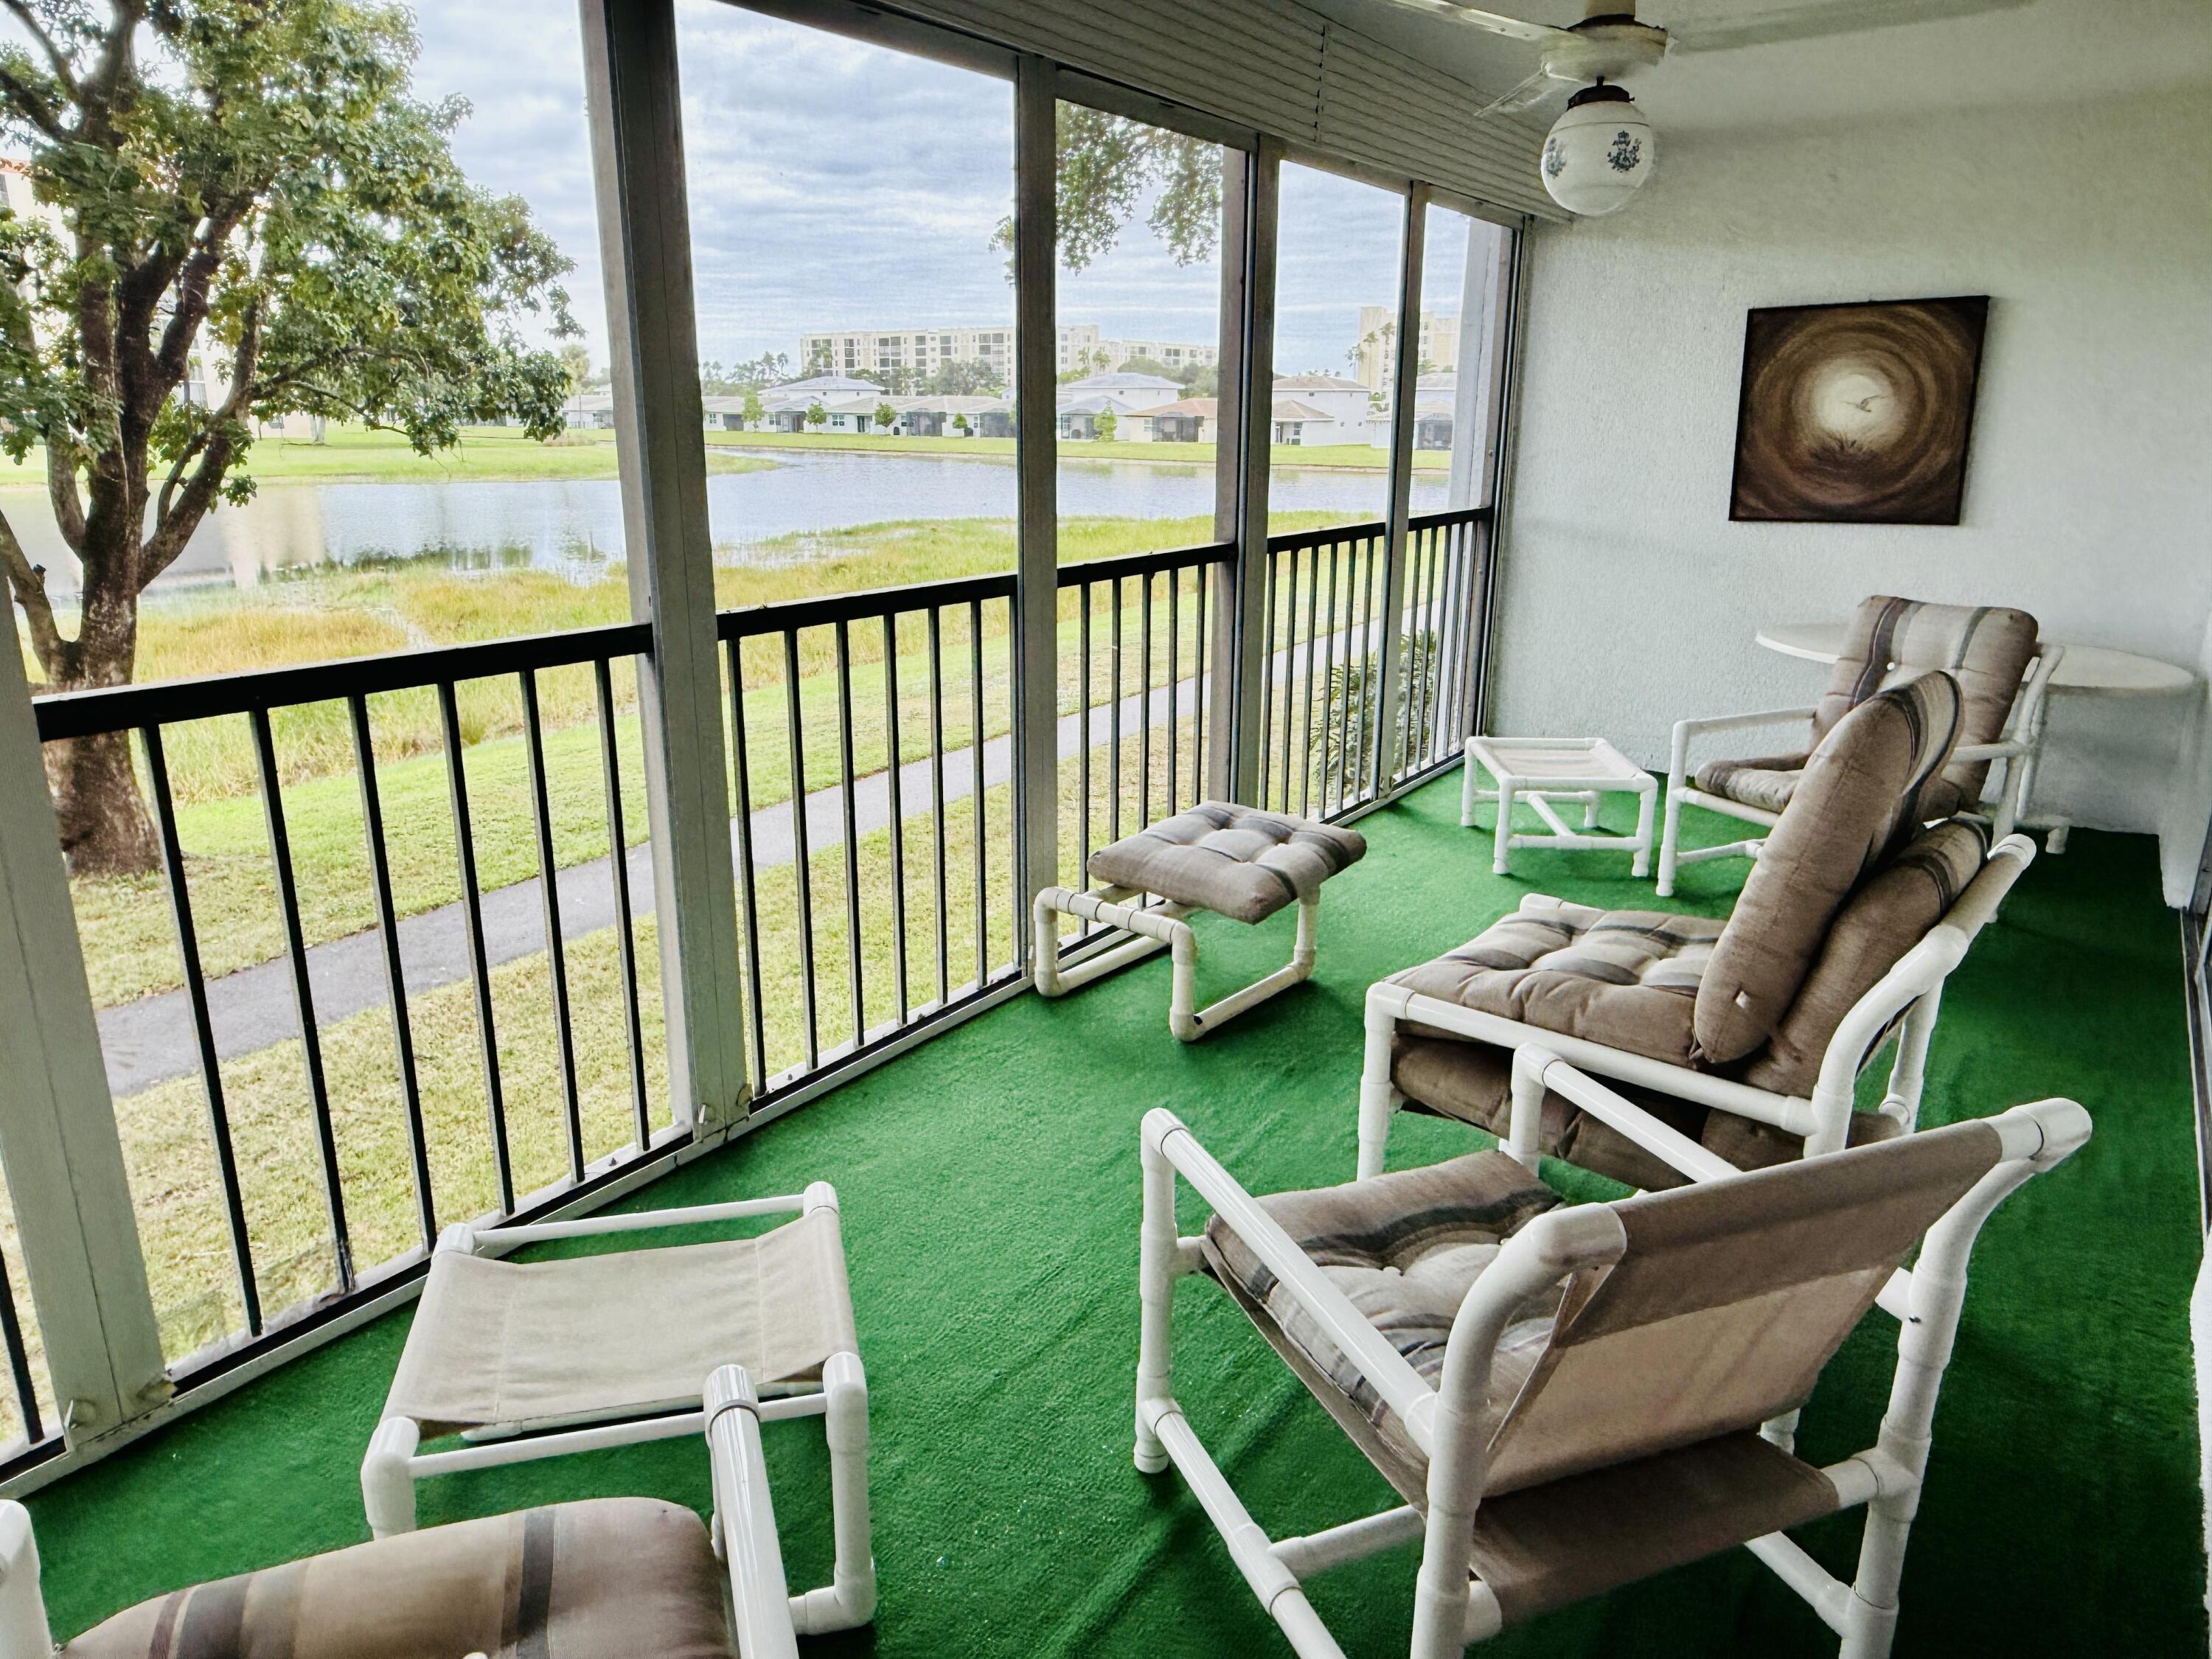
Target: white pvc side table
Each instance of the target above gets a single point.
(1542, 770)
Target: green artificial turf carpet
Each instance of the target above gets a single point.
(989, 1183)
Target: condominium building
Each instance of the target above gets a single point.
(1378, 331)
(1080, 347)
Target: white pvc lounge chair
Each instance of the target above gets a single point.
(1571, 1399)
(1747, 1036)
(1990, 650)
(538, 1359)
(606, 1578)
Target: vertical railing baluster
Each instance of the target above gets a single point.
(1290, 672)
(1328, 689)
(1312, 689)
(19, 1362)
(1113, 718)
(1144, 702)
(188, 948)
(303, 994)
(1267, 678)
(855, 985)
(1082, 745)
(1431, 664)
(1205, 573)
(472, 915)
(1370, 667)
(975, 746)
(937, 797)
(395, 973)
(625, 937)
(898, 808)
(802, 860)
(557, 948)
(1175, 687)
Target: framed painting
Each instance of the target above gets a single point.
(1857, 413)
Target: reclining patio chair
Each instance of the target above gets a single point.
(526, 1360)
(1571, 1399)
(606, 1579)
(1747, 1036)
(2004, 673)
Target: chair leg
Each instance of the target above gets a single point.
(849, 1600)
(1646, 801)
(1670, 839)
(1157, 1257)
(387, 1489)
(1378, 1097)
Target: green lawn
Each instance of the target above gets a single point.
(353, 454)
(1358, 457)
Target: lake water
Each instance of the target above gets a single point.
(575, 526)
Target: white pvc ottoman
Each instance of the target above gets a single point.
(1237, 861)
(1542, 770)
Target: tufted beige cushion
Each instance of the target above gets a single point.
(1403, 1248)
(1860, 797)
(610, 1578)
(1627, 978)
(1234, 860)
(1768, 782)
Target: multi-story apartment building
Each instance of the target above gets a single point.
(1378, 325)
(1081, 349)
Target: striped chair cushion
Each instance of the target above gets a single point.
(610, 1578)
(1404, 1248)
(1768, 783)
(1627, 978)
(1860, 798)
(1986, 648)
(1234, 860)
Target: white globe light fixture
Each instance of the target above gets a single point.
(1599, 153)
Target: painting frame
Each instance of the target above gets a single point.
(1806, 452)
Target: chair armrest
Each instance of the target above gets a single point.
(1536, 1068)
(1733, 722)
(1384, 1367)
(1988, 751)
(818, 1195)
(745, 1519)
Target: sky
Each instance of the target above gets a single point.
(838, 184)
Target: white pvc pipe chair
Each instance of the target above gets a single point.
(2016, 753)
(1909, 996)
(1452, 1606)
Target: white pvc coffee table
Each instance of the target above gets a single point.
(1542, 770)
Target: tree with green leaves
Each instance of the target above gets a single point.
(252, 180)
(1108, 165)
(964, 378)
(753, 412)
(886, 416)
(816, 416)
(960, 424)
(1105, 427)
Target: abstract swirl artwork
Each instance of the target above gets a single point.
(1858, 413)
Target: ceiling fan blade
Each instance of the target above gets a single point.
(1531, 92)
(1495, 23)
(1724, 27)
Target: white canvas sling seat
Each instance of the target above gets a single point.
(1571, 1398)
(1747, 1036)
(532, 1359)
(2004, 677)
(604, 1578)
(1241, 862)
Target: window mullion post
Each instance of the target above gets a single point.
(637, 154)
(1036, 587)
(75, 1230)
(1243, 435)
(1406, 371)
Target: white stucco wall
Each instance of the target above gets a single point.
(1628, 598)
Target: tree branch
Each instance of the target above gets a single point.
(29, 583)
(174, 524)
(61, 490)
(34, 106)
(64, 71)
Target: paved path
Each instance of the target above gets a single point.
(150, 1041)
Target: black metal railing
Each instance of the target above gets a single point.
(1133, 686)
(927, 754)
(1324, 752)
(500, 684)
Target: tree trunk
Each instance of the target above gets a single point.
(105, 828)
